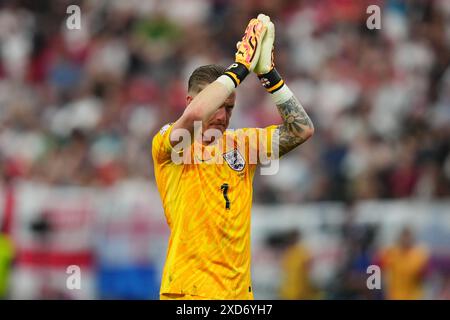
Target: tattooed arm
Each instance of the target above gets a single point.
(296, 128)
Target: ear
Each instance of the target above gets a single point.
(189, 99)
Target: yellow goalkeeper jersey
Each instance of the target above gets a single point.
(207, 200)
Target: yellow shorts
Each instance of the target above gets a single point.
(180, 296)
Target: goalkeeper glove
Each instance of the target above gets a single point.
(265, 68)
(248, 52)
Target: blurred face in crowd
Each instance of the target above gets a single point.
(406, 239)
(220, 120)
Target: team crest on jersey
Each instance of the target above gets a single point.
(235, 160)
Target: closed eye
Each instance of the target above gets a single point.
(229, 108)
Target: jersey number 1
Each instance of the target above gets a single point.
(224, 189)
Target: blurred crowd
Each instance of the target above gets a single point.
(403, 270)
(80, 106)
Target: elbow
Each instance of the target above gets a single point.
(308, 132)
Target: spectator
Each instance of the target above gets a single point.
(296, 260)
(404, 265)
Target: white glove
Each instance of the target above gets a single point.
(266, 60)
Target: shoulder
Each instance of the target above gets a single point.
(163, 132)
(164, 128)
(421, 251)
(161, 147)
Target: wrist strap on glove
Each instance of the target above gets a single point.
(237, 73)
(271, 80)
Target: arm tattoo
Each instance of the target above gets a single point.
(296, 127)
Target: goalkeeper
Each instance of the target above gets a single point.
(207, 202)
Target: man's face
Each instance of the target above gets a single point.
(220, 120)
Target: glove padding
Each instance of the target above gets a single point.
(249, 48)
(266, 59)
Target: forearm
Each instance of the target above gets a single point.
(206, 103)
(297, 127)
(201, 108)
